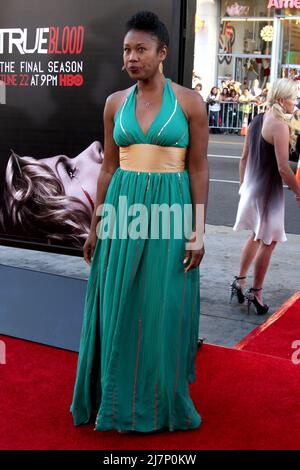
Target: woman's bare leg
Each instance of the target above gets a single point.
(261, 264)
(248, 254)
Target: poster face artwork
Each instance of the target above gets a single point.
(59, 61)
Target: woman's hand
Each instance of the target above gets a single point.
(89, 246)
(193, 258)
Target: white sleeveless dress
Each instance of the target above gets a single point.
(261, 206)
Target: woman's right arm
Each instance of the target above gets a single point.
(110, 161)
(108, 168)
(281, 138)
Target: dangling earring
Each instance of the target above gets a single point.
(123, 68)
(161, 67)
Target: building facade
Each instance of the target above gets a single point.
(247, 40)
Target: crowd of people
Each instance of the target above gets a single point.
(232, 102)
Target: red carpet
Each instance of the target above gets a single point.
(247, 401)
(276, 336)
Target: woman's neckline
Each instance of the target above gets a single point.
(158, 113)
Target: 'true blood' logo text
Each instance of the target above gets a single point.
(52, 40)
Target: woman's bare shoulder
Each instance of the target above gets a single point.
(115, 99)
(273, 127)
(185, 92)
(273, 123)
(187, 98)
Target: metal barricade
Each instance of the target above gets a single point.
(232, 115)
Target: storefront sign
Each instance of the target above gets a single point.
(284, 4)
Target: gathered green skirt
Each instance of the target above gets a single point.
(139, 336)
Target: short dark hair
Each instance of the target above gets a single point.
(149, 21)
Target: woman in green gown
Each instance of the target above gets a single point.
(140, 329)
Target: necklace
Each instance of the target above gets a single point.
(146, 103)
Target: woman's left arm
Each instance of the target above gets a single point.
(198, 176)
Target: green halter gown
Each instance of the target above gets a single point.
(140, 328)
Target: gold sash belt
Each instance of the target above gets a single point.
(152, 158)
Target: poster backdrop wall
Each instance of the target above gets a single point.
(59, 61)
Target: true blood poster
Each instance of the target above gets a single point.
(59, 61)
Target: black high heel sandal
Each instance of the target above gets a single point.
(236, 289)
(250, 296)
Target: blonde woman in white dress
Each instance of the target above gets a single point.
(264, 167)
